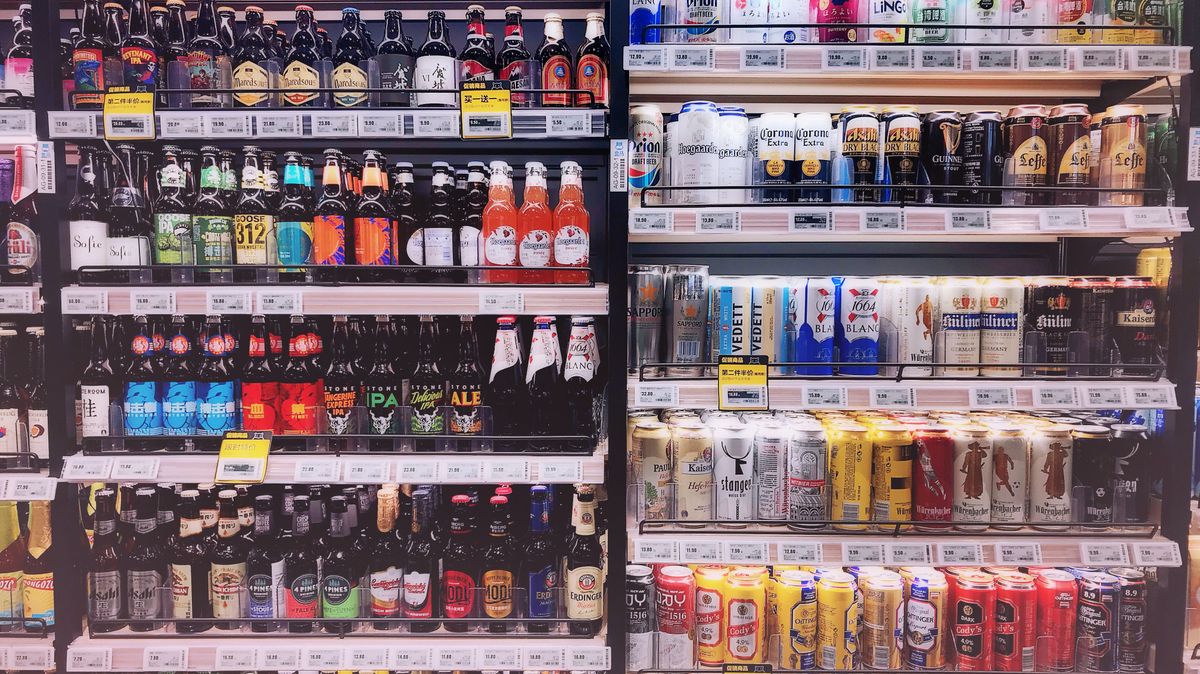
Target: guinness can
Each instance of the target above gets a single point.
(1070, 152)
(860, 144)
(942, 156)
(1029, 151)
(901, 150)
(983, 156)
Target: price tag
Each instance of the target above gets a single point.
(993, 397)
(589, 658)
(46, 169)
(500, 657)
(152, 301)
(843, 58)
(1098, 58)
(1018, 554)
(543, 658)
(1154, 58)
(385, 124)
(84, 301)
(800, 553)
(16, 301)
(455, 658)
(647, 550)
(811, 220)
(700, 552)
(692, 58)
(410, 658)
(972, 220)
(909, 553)
(651, 221)
(229, 125)
(223, 302)
(280, 302)
(883, 220)
(863, 553)
(892, 58)
(164, 658)
(762, 59)
(1108, 397)
(647, 394)
(645, 57)
(285, 125)
(1044, 58)
(18, 123)
(719, 221)
(1179, 216)
(1055, 397)
(30, 658)
(367, 471)
(1147, 218)
(742, 383)
(1063, 219)
(73, 125)
(492, 303)
(278, 658)
(334, 124)
(317, 470)
(81, 468)
(134, 469)
(368, 657)
(435, 124)
(1153, 397)
(568, 124)
(89, 659)
(236, 657)
(618, 165)
(746, 553)
(506, 470)
(1097, 553)
(181, 125)
(966, 554)
(992, 59)
(461, 472)
(1159, 553)
(939, 58)
(243, 457)
(560, 471)
(128, 115)
(321, 657)
(893, 396)
(486, 109)
(416, 471)
(30, 489)
(833, 397)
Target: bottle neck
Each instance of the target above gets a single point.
(586, 525)
(553, 30)
(539, 517)
(595, 29)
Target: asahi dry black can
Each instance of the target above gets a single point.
(1028, 149)
(901, 150)
(860, 143)
(1052, 314)
(941, 153)
(1070, 153)
(983, 156)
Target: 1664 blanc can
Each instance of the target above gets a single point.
(639, 605)
(686, 315)
(1050, 458)
(710, 614)
(973, 620)
(1131, 620)
(807, 457)
(1002, 305)
(796, 616)
(1057, 602)
(892, 461)
(958, 324)
(883, 620)
(927, 621)
(650, 451)
(692, 454)
(1096, 624)
(645, 154)
(837, 621)
(973, 485)
(815, 320)
(856, 332)
(860, 143)
(675, 603)
(1016, 622)
(745, 615)
(733, 472)
(646, 301)
(814, 152)
(850, 460)
(902, 151)
(771, 447)
(934, 477)
(1010, 476)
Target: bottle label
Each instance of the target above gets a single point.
(417, 602)
(500, 248)
(339, 400)
(373, 241)
(170, 230)
(179, 408)
(250, 235)
(298, 406)
(541, 585)
(520, 76)
(585, 593)
(18, 75)
(302, 596)
(294, 242)
(497, 593)
(202, 74)
(104, 595)
(227, 583)
(128, 251)
(592, 75)
(382, 403)
(141, 67)
(506, 353)
(214, 239)
(474, 71)
(9, 418)
(88, 239)
(556, 75)
(581, 362)
(465, 418)
(299, 75)
(436, 72)
(468, 246)
(571, 246)
(250, 75)
(339, 597)
(439, 246)
(38, 599)
(385, 592)
(143, 594)
(23, 245)
(349, 80)
(425, 400)
(329, 239)
(458, 594)
(11, 595)
(395, 72)
(259, 400)
(89, 75)
(535, 248)
(215, 407)
(39, 442)
(263, 589)
(94, 402)
(143, 413)
(542, 348)
(416, 247)
(1074, 168)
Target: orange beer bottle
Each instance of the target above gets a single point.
(571, 231)
(534, 226)
(500, 226)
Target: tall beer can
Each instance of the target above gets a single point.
(640, 608)
(814, 152)
(775, 156)
(1123, 154)
(687, 314)
(1027, 13)
(1132, 615)
(1095, 295)
(1092, 473)
(860, 144)
(972, 620)
(729, 315)
(985, 13)
(807, 457)
(645, 314)
(1051, 316)
(1134, 324)
(711, 602)
(907, 323)
(703, 19)
(1096, 625)
(1003, 305)
(645, 152)
(850, 461)
(927, 621)
(942, 153)
(796, 619)
(1057, 604)
(650, 452)
(1118, 14)
(816, 316)
(1079, 13)
(643, 13)
(784, 16)
(973, 484)
(733, 158)
(733, 472)
(933, 477)
(745, 615)
(983, 155)
(901, 151)
(1132, 470)
(771, 442)
(1016, 622)
(766, 316)
(891, 480)
(834, 12)
(1070, 153)
(675, 604)
(692, 462)
(1010, 477)
(856, 332)
(1050, 458)
(838, 616)
(883, 620)
(932, 13)
(696, 161)
(958, 325)
(747, 12)
(1026, 131)
(882, 12)
(1151, 14)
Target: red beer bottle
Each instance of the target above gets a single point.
(260, 382)
(299, 388)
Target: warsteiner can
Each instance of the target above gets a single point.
(1096, 623)
(1050, 453)
(1016, 622)
(796, 619)
(745, 616)
(1131, 620)
(883, 620)
(927, 621)
(639, 607)
(892, 474)
(807, 457)
(850, 459)
(837, 621)
(710, 614)
(973, 618)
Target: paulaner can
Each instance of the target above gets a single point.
(883, 620)
(983, 156)
(733, 472)
(1070, 152)
(942, 153)
(814, 151)
(745, 615)
(927, 621)
(815, 318)
(807, 456)
(973, 621)
(837, 621)
(710, 614)
(686, 314)
(973, 481)
(1002, 307)
(850, 459)
(860, 143)
(692, 461)
(650, 452)
(675, 604)
(775, 156)
(639, 612)
(1016, 622)
(1123, 154)
(771, 455)
(901, 150)
(1057, 601)
(645, 153)
(892, 474)
(958, 324)
(856, 332)
(1010, 475)
(1050, 452)
(1096, 624)
(1131, 620)
(645, 314)
(1028, 148)
(933, 477)
(796, 619)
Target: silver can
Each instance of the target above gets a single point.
(1002, 305)
(771, 440)
(646, 144)
(1010, 477)
(973, 477)
(687, 315)
(733, 159)
(733, 472)
(808, 457)
(645, 314)
(907, 323)
(692, 463)
(696, 162)
(958, 325)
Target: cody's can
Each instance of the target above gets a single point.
(1123, 155)
(1016, 622)
(645, 314)
(815, 317)
(934, 477)
(1010, 476)
(1002, 305)
(675, 604)
(639, 607)
(883, 620)
(645, 153)
(710, 614)
(850, 460)
(983, 156)
(1135, 329)
(856, 332)
(838, 614)
(1131, 620)
(1051, 315)
(1050, 453)
(796, 619)
(745, 616)
(692, 462)
(972, 621)
(860, 144)
(733, 159)
(941, 153)
(733, 472)
(901, 151)
(1095, 296)
(813, 154)
(1070, 152)
(686, 313)
(650, 451)
(775, 155)
(973, 479)
(807, 456)
(927, 621)
(1057, 601)
(892, 473)
(1029, 150)
(907, 323)
(1096, 624)
(958, 324)
(696, 160)
(771, 441)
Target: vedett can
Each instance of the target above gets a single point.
(973, 485)
(775, 156)
(675, 610)
(1010, 474)
(814, 152)
(860, 143)
(1016, 622)
(972, 621)
(815, 301)
(1131, 620)
(933, 478)
(1050, 453)
(1057, 602)
(1002, 307)
(983, 156)
(958, 325)
(901, 150)
(1096, 623)
(733, 472)
(687, 313)
(807, 456)
(696, 161)
(645, 148)
(645, 314)
(927, 621)
(856, 332)
(639, 613)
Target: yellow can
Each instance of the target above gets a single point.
(1155, 263)
(893, 454)
(745, 616)
(883, 620)
(926, 621)
(849, 475)
(837, 621)
(1123, 155)
(796, 620)
(710, 614)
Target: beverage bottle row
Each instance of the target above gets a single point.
(157, 47)
(194, 210)
(18, 60)
(177, 377)
(26, 568)
(421, 558)
(23, 408)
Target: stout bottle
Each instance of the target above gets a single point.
(542, 378)
(300, 568)
(145, 568)
(579, 378)
(435, 66)
(396, 59)
(341, 382)
(96, 383)
(382, 390)
(188, 568)
(105, 596)
(410, 237)
(349, 77)
(507, 393)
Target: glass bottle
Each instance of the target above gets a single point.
(435, 66)
(106, 599)
(396, 59)
(534, 224)
(204, 57)
(188, 568)
(514, 61)
(554, 57)
(249, 71)
(349, 62)
(139, 53)
(212, 220)
(300, 73)
(87, 58)
(591, 66)
(172, 213)
(88, 219)
(295, 226)
(373, 233)
(572, 231)
(427, 389)
(500, 227)
(476, 62)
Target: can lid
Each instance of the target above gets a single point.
(637, 571)
(680, 572)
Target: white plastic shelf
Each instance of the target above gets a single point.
(26, 654)
(21, 300)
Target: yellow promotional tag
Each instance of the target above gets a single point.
(128, 115)
(742, 383)
(243, 457)
(486, 109)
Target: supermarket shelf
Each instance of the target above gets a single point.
(932, 394)
(330, 300)
(267, 652)
(991, 549)
(796, 222)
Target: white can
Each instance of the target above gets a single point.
(747, 11)
(702, 18)
(1002, 306)
(815, 318)
(771, 440)
(775, 154)
(958, 325)
(692, 460)
(733, 154)
(645, 154)
(1027, 13)
(985, 13)
(856, 332)
(733, 472)
(1010, 476)
(766, 316)
(908, 322)
(695, 162)
(1050, 459)
(786, 14)
(670, 150)
(972, 476)
(933, 13)
(730, 299)
(887, 12)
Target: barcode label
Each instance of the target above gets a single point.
(651, 221)
(687, 351)
(811, 220)
(843, 58)
(1104, 554)
(569, 124)
(909, 553)
(655, 395)
(435, 125)
(762, 58)
(881, 656)
(800, 553)
(644, 57)
(1164, 553)
(990, 58)
(700, 552)
(744, 397)
(655, 551)
(1018, 553)
(692, 58)
(1027, 658)
(1108, 397)
(279, 125)
(1056, 397)
(239, 470)
(851, 512)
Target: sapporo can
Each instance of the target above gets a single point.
(796, 619)
(1070, 153)
(1016, 622)
(1050, 458)
(1010, 476)
(807, 457)
(883, 620)
(850, 459)
(675, 603)
(1123, 155)
(639, 608)
(1002, 304)
(686, 315)
(733, 473)
(710, 614)
(933, 477)
(692, 461)
(646, 301)
(973, 621)
(892, 459)
(837, 621)
(650, 451)
(1057, 602)
(957, 325)
(1028, 148)
(926, 621)
(1131, 620)
(973, 479)
(745, 616)
(771, 441)
(1096, 623)
(1051, 315)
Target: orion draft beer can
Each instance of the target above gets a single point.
(645, 154)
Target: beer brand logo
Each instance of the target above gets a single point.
(964, 302)
(180, 345)
(997, 301)
(140, 345)
(586, 582)
(648, 293)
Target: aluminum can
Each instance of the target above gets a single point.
(933, 13)
(675, 604)
(1135, 328)
(1156, 264)
(1153, 13)
(807, 457)
(907, 323)
(815, 316)
(814, 152)
(767, 307)
(1078, 12)
(687, 315)
(1028, 148)
(645, 314)
(1096, 295)
(696, 161)
(901, 150)
(983, 155)
(1092, 473)
(733, 472)
(771, 442)
(860, 144)
(973, 621)
(784, 15)
(1028, 13)
(692, 462)
(1010, 477)
(1016, 622)
(796, 619)
(729, 310)
(984, 13)
(1050, 458)
(639, 614)
(856, 332)
(745, 616)
(733, 158)
(838, 614)
(942, 153)
(750, 11)
(883, 620)
(1057, 603)
(927, 621)
(1070, 153)
(1096, 624)
(832, 13)
(631, 421)
(644, 13)
(1002, 308)
(645, 148)
(1132, 474)
(1131, 620)
(650, 452)
(882, 12)
(775, 156)
(710, 614)
(670, 152)
(933, 477)
(958, 325)
(1123, 155)
(891, 484)
(973, 482)
(1052, 315)
(702, 18)
(850, 459)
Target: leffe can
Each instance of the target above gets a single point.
(850, 459)
(686, 314)
(1002, 306)
(1135, 323)
(1057, 602)
(856, 332)
(1070, 153)
(892, 461)
(771, 456)
(927, 621)
(645, 154)
(650, 451)
(860, 143)
(775, 156)
(973, 490)
(1095, 295)
(907, 323)
(1123, 155)
(1016, 622)
(815, 317)
(983, 156)
(1050, 454)
(1096, 625)
(645, 314)
(1131, 476)
(838, 613)
(902, 132)
(733, 473)
(1010, 471)
(639, 612)
(796, 619)
(1131, 620)
(745, 615)
(1028, 149)
(883, 620)
(958, 324)
(1051, 315)
(814, 152)
(942, 153)
(807, 457)
(710, 614)
(973, 620)
(692, 462)
(675, 604)
(933, 478)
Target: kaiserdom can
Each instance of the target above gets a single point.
(926, 621)
(745, 615)
(796, 619)
(838, 614)
(1123, 155)
(850, 458)
(710, 614)
(883, 619)
(692, 461)
(892, 460)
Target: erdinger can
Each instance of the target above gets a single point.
(814, 152)
(733, 160)
(646, 300)
(1010, 476)
(807, 456)
(639, 612)
(908, 317)
(645, 153)
(815, 318)
(983, 156)
(775, 156)
(1096, 625)
(901, 150)
(973, 477)
(675, 604)
(1002, 307)
(696, 161)
(856, 332)
(1057, 604)
(927, 621)
(1050, 454)
(958, 325)
(859, 125)
(1131, 620)
(733, 472)
(686, 314)
(934, 476)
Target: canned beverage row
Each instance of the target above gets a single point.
(922, 618)
(927, 21)
(853, 471)
(867, 155)
(956, 326)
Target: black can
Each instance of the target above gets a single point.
(1095, 319)
(1051, 316)
(942, 154)
(639, 616)
(902, 151)
(1131, 620)
(1135, 328)
(1131, 474)
(1092, 472)
(983, 156)
(1096, 622)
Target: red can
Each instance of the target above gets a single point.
(933, 477)
(1016, 622)
(972, 621)
(1057, 602)
(675, 603)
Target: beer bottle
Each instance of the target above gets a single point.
(39, 442)
(340, 572)
(139, 56)
(87, 217)
(105, 596)
(226, 34)
(299, 390)
(500, 226)
(540, 563)
(545, 387)
(554, 58)
(130, 230)
(14, 408)
(572, 231)
(476, 63)
(435, 66)
(280, 44)
(295, 226)
(204, 56)
(188, 562)
(37, 581)
(260, 382)
(349, 74)
(591, 66)
(325, 42)
(166, 502)
(421, 584)
(145, 568)
(172, 214)
(329, 218)
(248, 70)
(265, 568)
(300, 568)
(271, 183)
(506, 392)
(142, 406)
(373, 233)
(460, 567)
(209, 514)
(439, 228)
(410, 238)
(300, 74)
(579, 378)
(427, 389)
(212, 221)
(179, 388)
(87, 58)
(96, 382)
(396, 60)
(466, 383)
(584, 582)
(158, 29)
(215, 389)
(12, 562)
(127, 518)
(245, 514)
(18, 65)
(471, 219)
(23, 246)
(382, 391)
(114, 31)
(254, 218)
(499, 568)
(228, 568)
(534, 224)
(514, 62)
(341, 383)
(175, 49)
(386, 570)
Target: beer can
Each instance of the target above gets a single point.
(856, 332)
(1057, 602)
(942, 153)
(703, 18)
(631, 422)
(733, 472)
(645, 314)
(1070, 153)
(927, 621)
(850, 459)
(1154, 263)
(814, 152)
(733, 158)
(687, 315)
(984, 13)
(771, 443)
(884, 13)
(1050, 454)
(807, 457)
(1095, 295)
(650, 440)
(902, 133)
(775, 156)
(767, 306)
(710, 614)
(1153, 14)
(784, 15)
(1092, 473)
(973, 489)
(696, 160)
(883, 620)
(1016, 622)
(1118, 14)
(1132, 614)
(831, 14)
(1096, 625)
(729, 316)
(907, 323)
(639, 613)
(1052, 315)
(796, 619)
(1123, 155)
(933, 13)
(645, 150)
(972, 621)
(934, 477)
(1078, 12)
(643, 13)
(1025, 14)
(745, 616)
(860, 144)
(1132, 474)
(675, 604)
(1134, 324)
(892, 459)
(1002, 306)
(958, 325)
(748, 12)
(837, 621)
(983, 155)
(815, 317)
(1010, 475)
(692, 461)
(1029, 151)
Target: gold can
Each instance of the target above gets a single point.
(692, 470)
(1119, 14)
(926, 621)
(710, 614)
(1123, 155)
(796, 619)
(849, 475)
(1070, 152)
(651, 456)
(631, 422)
(1151, 14)
(838, 614)
(1155, 263)
(745, 615)
(883, 620)
(892, 460)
